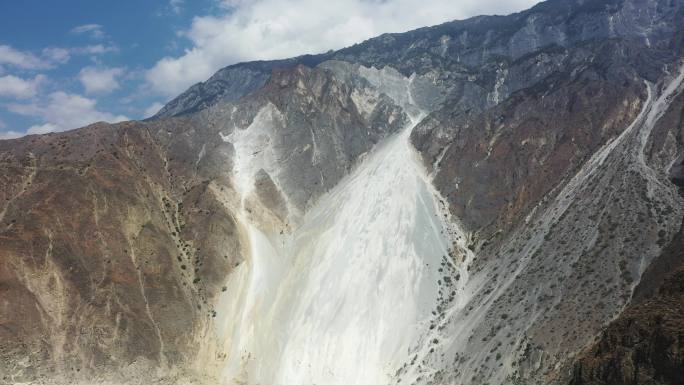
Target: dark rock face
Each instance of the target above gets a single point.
(228, 85)
(644, 345)
(494, 165)
(667, 138)
(565, 261)
(677, 172)
(314, 132)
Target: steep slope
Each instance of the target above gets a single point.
(342, 299)
(474, 59)
(320, 304)
(644, 344)
(117, 239)
(545, 288)
(304, 129)
(110, 247)
(101, 262)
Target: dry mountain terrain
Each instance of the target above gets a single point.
(496, 200)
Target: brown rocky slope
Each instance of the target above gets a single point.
(116, 239)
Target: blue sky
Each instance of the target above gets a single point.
(122, 39)
(68, 63)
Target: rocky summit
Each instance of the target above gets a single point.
(497, 200)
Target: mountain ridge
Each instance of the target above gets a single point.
(251, 75)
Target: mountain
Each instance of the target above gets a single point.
(495, 200)
(465, 56)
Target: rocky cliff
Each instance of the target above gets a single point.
(644, 344)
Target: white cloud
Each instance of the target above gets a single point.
(176, 6)
(15, 87)
(21, 59)
(57, 55)
(63, 111)
(96, 49)
(153, 109)
(100, 80)
(272, 29)
(49, 57)
(40, 129)
(10, 135)
(93, 30)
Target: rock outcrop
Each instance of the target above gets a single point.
(644, 344)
